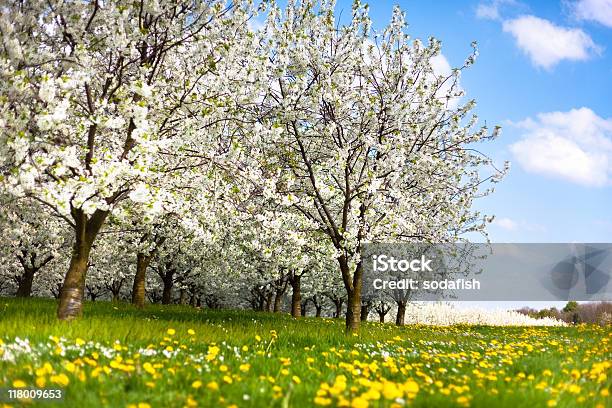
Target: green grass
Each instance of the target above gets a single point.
(266, 359)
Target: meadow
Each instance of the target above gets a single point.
(175, 356)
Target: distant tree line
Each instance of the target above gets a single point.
(575, 313)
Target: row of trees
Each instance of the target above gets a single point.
(574, 312)
(182, 138)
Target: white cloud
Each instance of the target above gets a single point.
(442, 68)
(491, 10)
(547, 44)
(440, 65)
(487, 11)
(574, 145)
(513, 225)
(506, 223)
(593, 10)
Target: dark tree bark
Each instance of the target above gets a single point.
(183, 297)
(280, 286)
(25, 281)
(365, 311)
(73, 289)
(257, 298)
(353, 290)
(93, 292)
(317, 304)
(295, 281)
(115, 288)
(278, 297)
(167, 277)
(56, 291)
(268, 301)
(401, 312)
(140, 279)
(338, 303)
(382, 309)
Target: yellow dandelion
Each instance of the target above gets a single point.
(391, 391)
(359, 403)
(41, 382)
(322, 401)
(148, 367)
(60, 379)
(463, 400)
(411, 387)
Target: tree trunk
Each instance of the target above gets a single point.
(353, 312)
(183, 297)
(277, 301)
(381, 317)
(167, 294)
(73, 289)
(268, 302)
(304, 306)
(353, 290)
(318, 310)
(24, 289)
(338, 303)
(296, 295)
(365, 311)
(401, 312)
(71, 298)
(139, 287)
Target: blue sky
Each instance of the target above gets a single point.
(545, 75)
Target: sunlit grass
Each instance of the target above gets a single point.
(171, 356)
